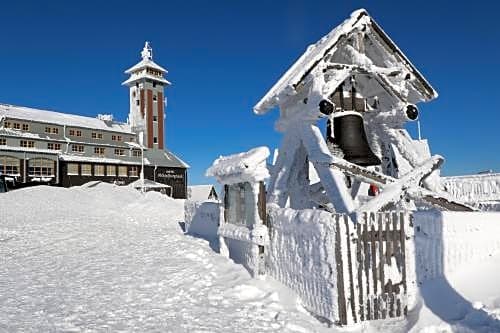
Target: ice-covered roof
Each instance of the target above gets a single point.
(143, 75)
(249, 166)
(58, 118)
(326, 46)
(145, 63)
(200, 192)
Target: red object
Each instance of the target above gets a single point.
(373, 191)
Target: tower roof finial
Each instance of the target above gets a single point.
(147, 52)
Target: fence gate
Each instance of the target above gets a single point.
(372, 266)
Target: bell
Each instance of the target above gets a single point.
(349, 135)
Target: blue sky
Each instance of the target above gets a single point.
(222, 56)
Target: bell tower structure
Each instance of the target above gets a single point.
(147, 107)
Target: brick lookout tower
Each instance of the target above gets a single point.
(146, 84)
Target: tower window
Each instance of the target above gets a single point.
(155, 118)
(154, 85)
(137, 102)
(154, 98)
(155, 140)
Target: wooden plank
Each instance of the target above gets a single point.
(352, 297)
(402, 237)
(359, 270)
(374, 241)
(340, 273)
(381, 232)
(367, 259)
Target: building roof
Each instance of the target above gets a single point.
(62, 119)
(326, 46)
(147, 183)
(200, 192)
(163, 158)
(138, 71)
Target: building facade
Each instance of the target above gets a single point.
(39, 146)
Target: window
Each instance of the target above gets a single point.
(154, 96)
(27, 144)
(53, 146)
(48, 130)
(132, 139)
(155, 118)
(41, 167)
(3, 141)
(16, 126)
(10, 165)
(155, 140)
(137, 102)
(86, 170)
(136, 153)
(119, 138)
(119, 152)
(55, 130)
(113, 137)
(134, 171)
(122, 171)
(154, 86)
(72, 169)
(99, 151)
(26, 127)
(98, 170)
(77, 148)
(111, 170)
(7, 124)
(73, 132)
(96, 135)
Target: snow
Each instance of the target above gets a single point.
(108, 258)
(199, 192)
(243, 167)
(62, 119)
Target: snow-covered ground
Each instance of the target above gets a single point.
(107, 258)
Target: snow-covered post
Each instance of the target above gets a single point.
(242, 231)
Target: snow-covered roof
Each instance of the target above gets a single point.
(163, 158)
(29, 150)
(58, 118)
(139, 70)
(199, 192)
(249, 166)
(145, 63)
(147, 183)
(326, 46)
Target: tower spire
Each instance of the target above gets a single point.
(147, 52)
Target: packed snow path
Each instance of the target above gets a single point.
(106, 258)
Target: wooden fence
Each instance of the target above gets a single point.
(371, 259)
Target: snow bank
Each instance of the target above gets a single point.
(445, 241)
(202, 219)
(249, 166)
(301, 255)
